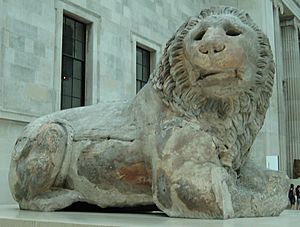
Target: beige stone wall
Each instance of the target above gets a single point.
(29, 41)
(9, 131)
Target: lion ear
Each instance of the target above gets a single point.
(248, 16)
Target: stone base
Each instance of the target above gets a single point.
(11, 216)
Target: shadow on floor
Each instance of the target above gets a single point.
(86, 207)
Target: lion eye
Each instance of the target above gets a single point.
(233, 32)
(200, 35)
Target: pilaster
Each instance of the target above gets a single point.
(278, 5)
(291, 80)
(277, 11)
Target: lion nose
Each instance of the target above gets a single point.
(211, 41)
(211, 47)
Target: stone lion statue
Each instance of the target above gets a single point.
(182, 143)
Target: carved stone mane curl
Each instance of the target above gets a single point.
(246, 110)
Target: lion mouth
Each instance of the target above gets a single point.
(202, 75)
(230, 73)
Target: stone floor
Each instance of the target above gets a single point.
(11, 216)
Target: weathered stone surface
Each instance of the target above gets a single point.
(182, 143)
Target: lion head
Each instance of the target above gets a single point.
(218, 69)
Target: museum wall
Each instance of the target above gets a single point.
(30, 57)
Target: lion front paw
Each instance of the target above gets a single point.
(203, 194)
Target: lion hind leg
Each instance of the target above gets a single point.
(53, 199)
(37, 160)
(259, 192)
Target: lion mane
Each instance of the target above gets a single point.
(243, 114)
